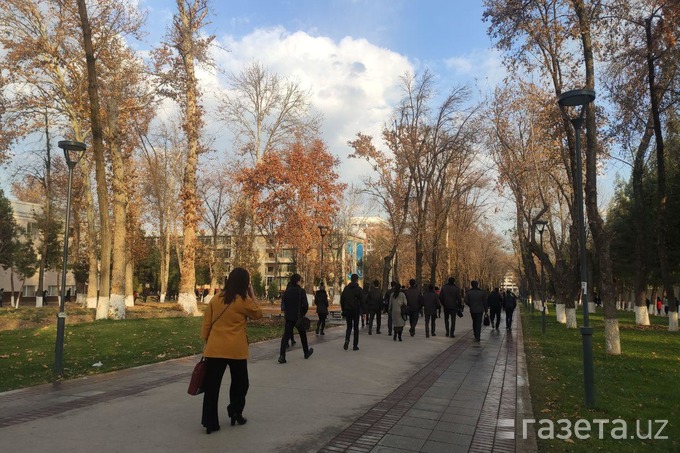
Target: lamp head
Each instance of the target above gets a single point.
(540, 225)
(323, 229)
(73, 151)
(575, 98)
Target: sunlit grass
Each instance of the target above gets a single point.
(643, 383)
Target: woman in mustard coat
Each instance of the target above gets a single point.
(226, 343)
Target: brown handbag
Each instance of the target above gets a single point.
(197, 382)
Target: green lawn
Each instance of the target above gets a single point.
(643, 383)
(27, 355)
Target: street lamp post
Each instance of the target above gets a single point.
(322, 231)
(73, 151)
(540, 226)
(580, 98)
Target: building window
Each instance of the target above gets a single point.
(270, 269)
(29, 291)
(53, 290)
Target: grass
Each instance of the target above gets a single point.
(643, 383)
(27, 354)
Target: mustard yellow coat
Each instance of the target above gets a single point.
(227, 338)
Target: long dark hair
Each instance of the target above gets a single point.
(396, 289)
(236, 284)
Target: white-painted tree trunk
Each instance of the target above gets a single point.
(117, 306)
(130, 300)
(641, 316)
(571, 318)
(560, 311)
(188, 303)
(91, 302)
(81, 299)
(38, 301)
(11, 300)
(102, 308)
(611, 336)
(672, 321)
(162, 297)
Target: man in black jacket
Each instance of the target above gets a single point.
(350, 303)
(374, 307)
(495, 300)
(509, 304)
(451, 300)
(414, 301)
(431, 306)
(476, 299)
(294, 300)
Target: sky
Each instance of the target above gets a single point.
(350, 54)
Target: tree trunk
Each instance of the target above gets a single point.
(662, 197)
(93, 273)
(600, 238)
(640, 216)
(118, 272)
(100, 164)
(129, 278)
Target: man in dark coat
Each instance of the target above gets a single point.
(414, 300)
(374, 307)
(451, 300)
(476, 299)
(294, 302)
(351, 300)
(430, 307)
(495, 302)
(321, 302)
(509, 304)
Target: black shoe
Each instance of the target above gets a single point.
(292, 342)
(447, 333)
(240, 419)
(412, 332)
(322, 333)
(317, 331)
(427, 335)
(282, 359)
(394, 337)
(434, 334)
(377, 332)
(212, 430)
(345, 346)
(355, 348)
(309, 353)
(370, 333)
(453, 336)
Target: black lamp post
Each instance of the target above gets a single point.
(323, 230)
(580, 98)
(540, 226)
(73, 151)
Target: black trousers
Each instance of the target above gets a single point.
(389, 323)
(413, 320)
(495, 314)
(508, 318)
(288, 334)
(377, 314)
(450, 313)
(352, 320)
(477, 324)
(429, 323)
(238, 368)
(321, 323)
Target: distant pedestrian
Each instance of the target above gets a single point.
(396, 311)
(414, 300)
(452, 301)
(495, 302)
(294, 300)
(476, 299)
(226, 343)
(351, 301)
(2, 295)
(665, 305)
(374, 307)
(386, 304)
(659, 304)
(321, 302)
(68, 295)
(431, 306)
(509, 305)
(291, 340)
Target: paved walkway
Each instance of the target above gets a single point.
(421, 395)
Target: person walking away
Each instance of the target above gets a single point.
(659, 304)
(397, 306)
(226, 344)
(430, 307)
(374, 307)
(476, 299)
(452, 301)
(414, 300)
(495, 302)
(321, 302)
(291, 341)
(509, 305)
(294, 300)
(350, 304)
(386, 304)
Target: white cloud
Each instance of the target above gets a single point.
(354, 83)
